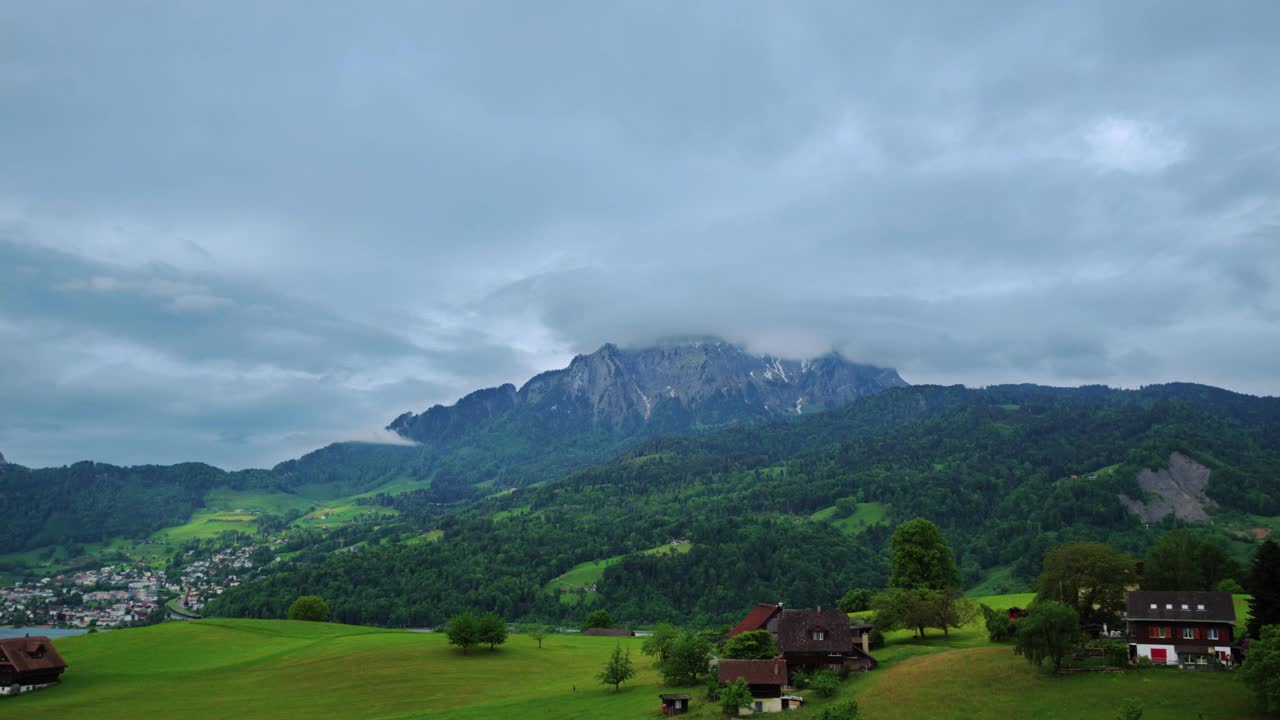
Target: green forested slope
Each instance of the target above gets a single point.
(993, 467)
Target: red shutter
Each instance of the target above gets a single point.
(1153, 631)
(1196, 632)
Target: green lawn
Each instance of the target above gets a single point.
(269, 669)
(866, 515)
(208, 523)
(584, 574)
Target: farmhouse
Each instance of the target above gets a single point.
(764, 678)
(1189, 629)
(28, 664)
(808, 640)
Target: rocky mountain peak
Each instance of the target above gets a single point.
(671, 386)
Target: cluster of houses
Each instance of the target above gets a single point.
(121, 595)
(1191, 630)
(67, 603)
(806, 640)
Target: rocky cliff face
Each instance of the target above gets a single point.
(670, 388)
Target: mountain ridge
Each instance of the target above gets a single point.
(667, 387)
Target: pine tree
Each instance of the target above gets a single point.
(1263, 585)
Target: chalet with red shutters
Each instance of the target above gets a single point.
(28, 663)
(1190, 629)
(808, 640)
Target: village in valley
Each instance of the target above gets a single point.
(129, 594)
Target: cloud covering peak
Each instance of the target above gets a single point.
(233, 232)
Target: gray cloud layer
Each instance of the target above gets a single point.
(235, 231)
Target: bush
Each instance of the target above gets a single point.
(753, 645)
(734, 696)
(999, 627)
(824, 682)
(1230, 586)
(310, 608)
(855, 600)
(1116, 653)
(598, 619)
(842, 710)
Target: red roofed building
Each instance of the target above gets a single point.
(27, 664)
(762, 617)
(765, 678)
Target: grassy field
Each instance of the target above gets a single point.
(587, 573)
(266, 669)
(866, 515)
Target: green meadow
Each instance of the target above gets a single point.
(271, 668)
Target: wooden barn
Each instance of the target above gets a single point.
(28, 663)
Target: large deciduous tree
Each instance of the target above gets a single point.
(1181, 561)
(1261, 671)
(463, 631)
(598, 619)
(618, 669)
(1049, 631)
(1263, 584)
(921, 557)
(688, 657)
(752, 645)
(491, 630)
(1093, 578)
(660, 642)
(309, 607)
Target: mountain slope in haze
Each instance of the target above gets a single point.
(671, 388)
(559, 422)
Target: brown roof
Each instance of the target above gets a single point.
(759, 616)
(795, 631)
(755, 672)
(1218, 606)
(30, 653)
(609, 632)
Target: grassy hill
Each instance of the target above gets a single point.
(269, 668)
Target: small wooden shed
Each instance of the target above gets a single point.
(675, 704)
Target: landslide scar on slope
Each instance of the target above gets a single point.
(1178, 489)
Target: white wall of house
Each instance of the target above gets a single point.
(765, 705)
(1172, 653)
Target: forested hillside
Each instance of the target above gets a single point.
(1006, 471)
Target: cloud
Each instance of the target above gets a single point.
(1125, 145)
(265, 242)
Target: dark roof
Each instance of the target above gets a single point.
(609, 632)
(675, 696)
(859, 628)
(795, 629)
(30, 653)
(759, 616)
(755, 672)
(1218, 606)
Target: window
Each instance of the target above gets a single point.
(1186, 606)
(1158, 632)
(1200, 607)
(817, 635)
(1213, 633)
(1153, 606)
(1168, 606)
(1188, 633)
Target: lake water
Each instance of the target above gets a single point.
(15, 632)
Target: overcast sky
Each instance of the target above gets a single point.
(236, 231)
